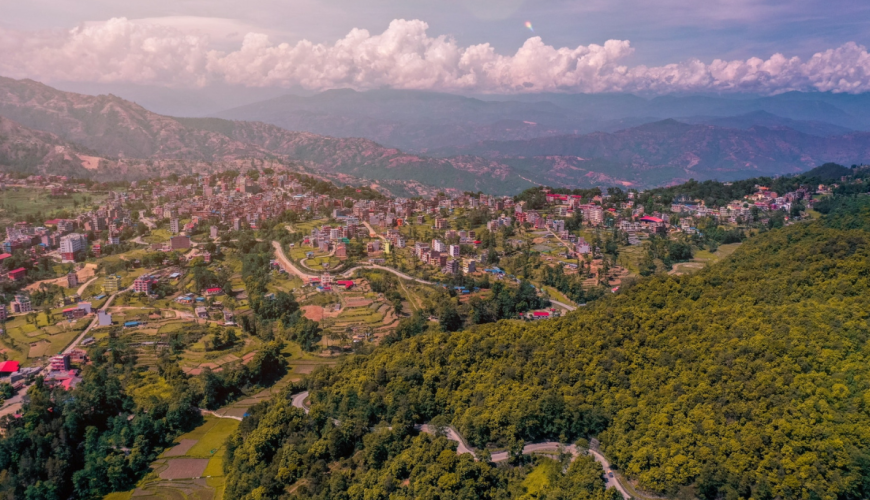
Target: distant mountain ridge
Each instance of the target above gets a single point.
(133, 141)
(420, 121)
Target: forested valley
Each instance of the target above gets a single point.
(749, 379)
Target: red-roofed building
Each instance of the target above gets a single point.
(654, 220)
(9, 366)
(17, 274)
(347, 284)
(211, 292)
(74, 313)
(540, 315)
(4, 256)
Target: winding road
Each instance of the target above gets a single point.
(288, 266)
(548, 447)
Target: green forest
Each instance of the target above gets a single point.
(749, 379)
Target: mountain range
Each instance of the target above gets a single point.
(47, 130)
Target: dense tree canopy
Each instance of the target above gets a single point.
(747, 379)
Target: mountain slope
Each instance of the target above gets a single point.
(701, 151)
(35, 152)
(748, 379)
(646, 156)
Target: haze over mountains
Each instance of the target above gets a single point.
(419, 121)
(407, 141)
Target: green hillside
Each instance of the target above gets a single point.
(749, 379)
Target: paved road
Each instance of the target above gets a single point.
(94, 323)
(291, 268)
(564, 305)
(612, 482)
(288, 264)
(298, 401)
(81, 289)
(372, 231)
(400, 274)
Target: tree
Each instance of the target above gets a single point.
(449, 318)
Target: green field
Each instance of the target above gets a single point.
(210, 438)
(17, 203)
(24, 342)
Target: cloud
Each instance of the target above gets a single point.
(403, 56)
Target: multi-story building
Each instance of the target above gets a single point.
(59, 363)
(144, 284)
(21, 304)
(173, 226)
(111, 283)
(72, 244)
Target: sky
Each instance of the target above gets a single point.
(465, 46)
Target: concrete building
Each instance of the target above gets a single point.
(111, 283)
(173, 226)
(21, 304)
(72, 244)
(179, 243)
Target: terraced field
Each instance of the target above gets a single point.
(191, 470)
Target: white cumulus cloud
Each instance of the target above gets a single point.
(403, 56)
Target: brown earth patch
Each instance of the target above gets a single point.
(184, 468)
(181, 448)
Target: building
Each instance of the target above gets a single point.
(72, 244)
(469, 266)
(453, 251)
(72, 280)
(213, 232)
(451, 267)
(72, 313)
(9, 367)
(3, 312)
(21, 304)
(17, 274)
(173, 226)
(144, 284)
(111, 283)
(179, 243)
(341, 251)
(59, 363)
(104, 318)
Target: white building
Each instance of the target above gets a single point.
(70, 244)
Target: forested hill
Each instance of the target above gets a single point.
(750, 379)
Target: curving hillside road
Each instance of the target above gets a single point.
(298, 401)
(288, 265)
(563, 305)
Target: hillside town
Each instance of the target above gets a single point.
(152, 241)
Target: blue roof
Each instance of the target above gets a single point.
(131, 323)
(98, 297)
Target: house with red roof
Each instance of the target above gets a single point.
(8, 367)
(347, 284)
(17, 274)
